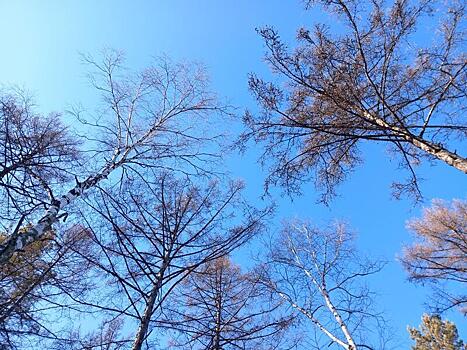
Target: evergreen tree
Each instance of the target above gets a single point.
(436, 334)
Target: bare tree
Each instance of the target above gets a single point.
(149, 120)
(106, 337)
(439, 254)
(318, 273)
(219, 307)
(37, 152)
(371, 81)
(151, 234)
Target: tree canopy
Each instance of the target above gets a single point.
(364, 83)
(436, 334)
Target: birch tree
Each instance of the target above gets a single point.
(37, 154)
(318, 274)
(152, 119)
(371, 80)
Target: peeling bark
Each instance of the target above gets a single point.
(20, 239)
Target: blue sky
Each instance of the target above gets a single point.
(41, 42)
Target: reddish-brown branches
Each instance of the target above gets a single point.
(370, 82)
(219, 307)
(439, 254)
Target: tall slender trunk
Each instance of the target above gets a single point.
(350, 345)
(350, 342)
(20, 239)
(314, 320)
(142, 331)
(217, 330)
(144, 324)
(218, 318)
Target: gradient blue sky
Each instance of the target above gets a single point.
(41, 42)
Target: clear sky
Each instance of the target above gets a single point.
(41, 42)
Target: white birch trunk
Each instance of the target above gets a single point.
(350, 345)
(350, 342)
(315, 321)
(217, 330)
(19, 240)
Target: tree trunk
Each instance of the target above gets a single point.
(350, 345)
(217, 330)
(20, 239)
(441, 153)
(144, 325)
(142, 332)
(314, 320)
(434, 150)
(350, 342)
